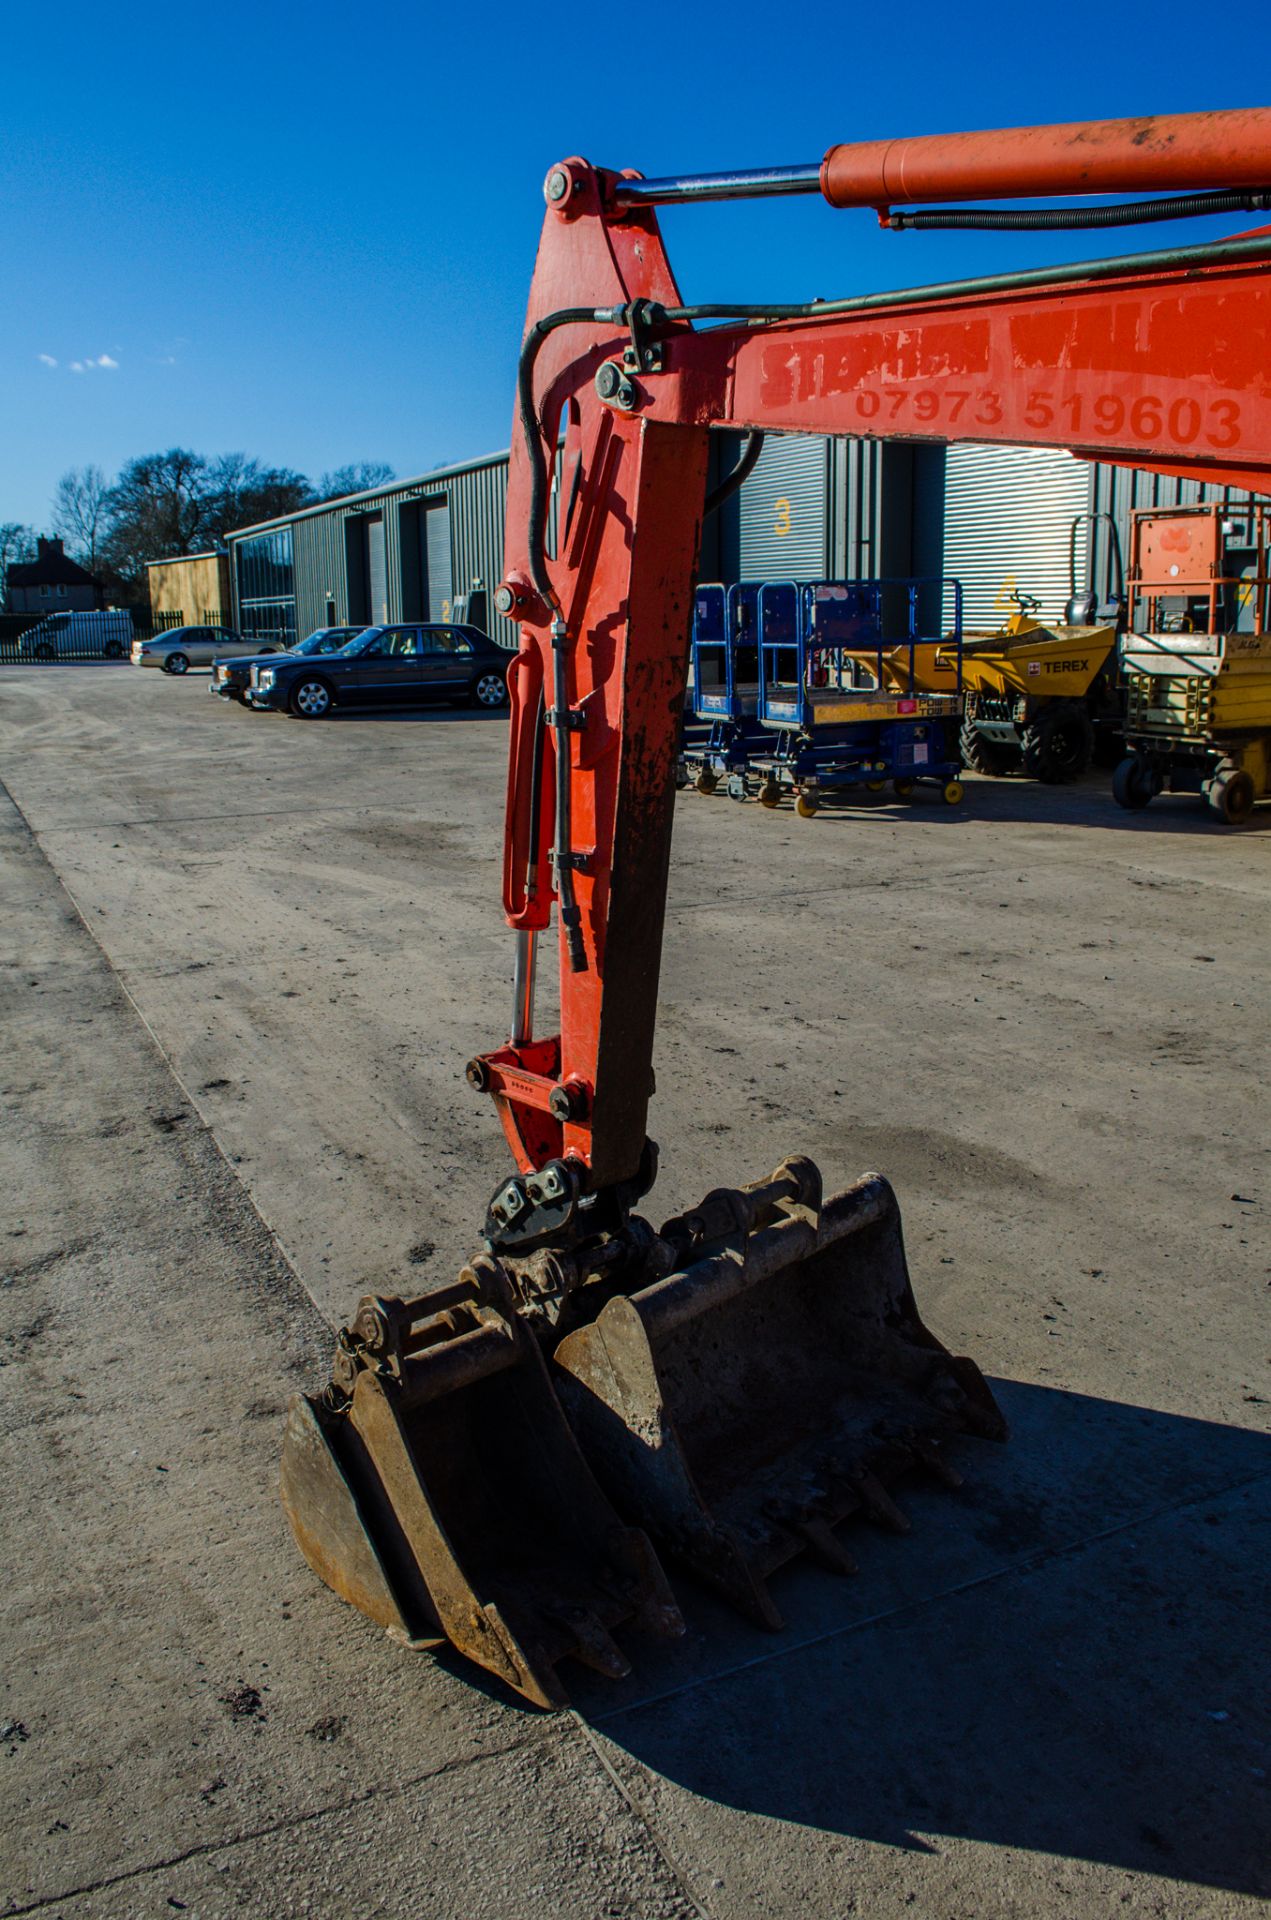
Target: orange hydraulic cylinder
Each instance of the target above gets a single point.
(1177, 153)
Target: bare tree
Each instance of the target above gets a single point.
(155, 509)
(79, 513)
(239, 491)
(17, 543)
(360, 476)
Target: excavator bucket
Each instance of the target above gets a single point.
(436, 1485)
(780, 1382)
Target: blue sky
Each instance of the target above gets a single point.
(307, 232)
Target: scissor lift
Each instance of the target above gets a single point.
(847, 700)
(725, 688)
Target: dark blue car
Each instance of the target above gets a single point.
(404, 665)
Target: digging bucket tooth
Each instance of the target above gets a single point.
(437, 1486)
(777, 1384)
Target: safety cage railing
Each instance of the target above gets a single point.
(824, 642)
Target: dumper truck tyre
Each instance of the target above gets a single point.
(1132, 784)
(1057, 745)
(981, 755)
(1233, 797)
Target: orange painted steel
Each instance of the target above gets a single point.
(1160, 153)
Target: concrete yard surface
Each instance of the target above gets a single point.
(243, 961)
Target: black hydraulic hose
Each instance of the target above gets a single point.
(532, 429)
(738, 477)
(1125, 213)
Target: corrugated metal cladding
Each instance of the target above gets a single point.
(376, 569)
(784, 511)
(437, 560)
(1008, 516)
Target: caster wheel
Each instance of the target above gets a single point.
(706, 781)
(807, 806)
(770, 794)
(951, 793)
(902, 788)
(1233, 797)
(1132, 784)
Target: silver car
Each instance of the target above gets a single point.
(186, 647)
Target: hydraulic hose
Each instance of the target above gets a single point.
(738, 477)
(532, 429)
(1125, 213)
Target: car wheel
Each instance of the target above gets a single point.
(176, 663)
(45, 651)
(113, 650)
(489, 690)
(311, 700)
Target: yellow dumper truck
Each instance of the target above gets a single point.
(1033, 696)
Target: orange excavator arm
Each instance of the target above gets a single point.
(500, 1462)
(1157, 360)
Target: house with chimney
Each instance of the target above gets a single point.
(51, 583)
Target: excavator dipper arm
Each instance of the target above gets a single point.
(492, 1463)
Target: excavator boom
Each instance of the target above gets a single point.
(738, 1382)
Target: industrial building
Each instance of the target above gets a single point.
(995, 518)
(423, 549)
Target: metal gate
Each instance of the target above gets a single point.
(1008, 514)
(784, 511)
(437, 549)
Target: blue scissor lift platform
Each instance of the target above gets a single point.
(722, 717)
(860, 682)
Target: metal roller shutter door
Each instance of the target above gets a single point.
(376, 570)
(1008, 514)
(784, 511)
(437, 547)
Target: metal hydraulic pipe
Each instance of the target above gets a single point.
(753, 183)
(523, 988)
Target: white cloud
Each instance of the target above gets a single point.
(77, 366)
(104, 360)
(46, 359)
